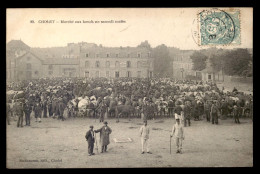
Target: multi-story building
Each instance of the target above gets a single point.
(116, 62)
(78, 60)
(182, 64)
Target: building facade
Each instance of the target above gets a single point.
(182, 64)
(77, 60)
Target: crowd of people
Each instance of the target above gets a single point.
(152, 98)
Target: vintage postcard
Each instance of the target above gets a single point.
(129, 87)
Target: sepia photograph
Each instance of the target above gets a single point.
(129, 87)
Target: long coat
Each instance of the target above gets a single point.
(104, 135)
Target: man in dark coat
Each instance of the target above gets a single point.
(38, 111)
(62, 107)
(207, 110)
(214, 113)
(102, 110)
(90, 138)
(54, 106)
(19, 111)
(187, 114)
(49, 106)
(104, 136)
(170, 107)
(27, 111)
(44, 107)
(236, 114)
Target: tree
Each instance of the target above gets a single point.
(237, 62)
(144, 44)
(162, 61)
(198, 60)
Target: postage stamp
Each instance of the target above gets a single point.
(219, 27)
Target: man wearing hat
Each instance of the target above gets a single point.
(236, 114)
(104, 136)
(90, 139)
(19, 112)
(27, 111)
(214, 113)
(178, 132)
(37, 111)
(62, 107)
(144, 134)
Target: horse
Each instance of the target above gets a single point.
(124, 110)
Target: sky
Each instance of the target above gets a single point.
(170, 26)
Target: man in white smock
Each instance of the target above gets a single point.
(144, 134)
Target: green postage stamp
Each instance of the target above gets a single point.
(219, 27)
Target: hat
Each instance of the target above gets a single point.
(91, 126)
(105, 122)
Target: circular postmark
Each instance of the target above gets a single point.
(214, 27)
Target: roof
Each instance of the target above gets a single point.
(31, 54)
(61, 61)
(208, 69)
(16, 44)
(55, 52)
(121, 51)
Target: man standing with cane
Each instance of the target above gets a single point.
(104, 136)
(170, 144)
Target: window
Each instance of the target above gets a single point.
(97, 64)
(128, 74)
(86, 64)
(138, 55)
(97, 73)
(138, 64)
(97, 55)
(50, 72)
(128, 64)
(107, 73)
(117, 64)
(86, 74)
(209, 76)
(128, 55)
(117, 55)
(36, 72)
(139, 74)
(117, 74)
(108, 54)
(87, 55)
(28, 58)
(28, 66)
(50, 67)
(107, 64)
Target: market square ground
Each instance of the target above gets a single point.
(61, 144)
